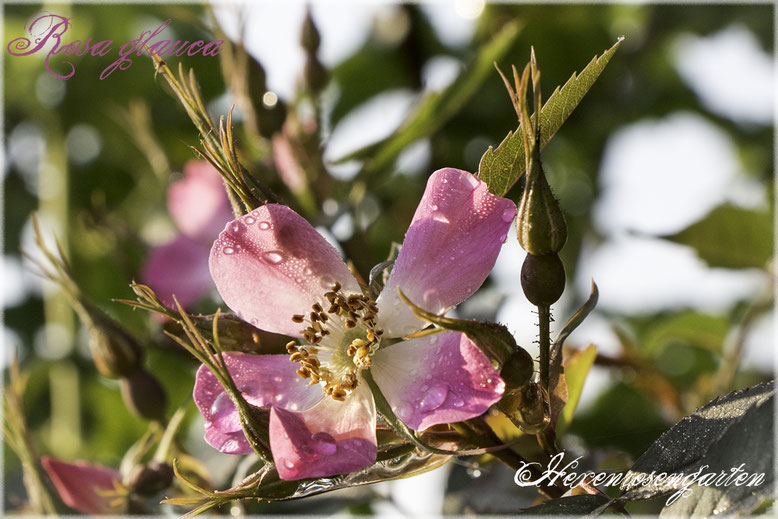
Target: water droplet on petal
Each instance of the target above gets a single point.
(249, 220)
(434, 207)
(289, 464)
(457, 401)
(508, 214)
(434, 398)
(307, 452)
(264, 226)
(438, 216)
(228, 250)
(237, 227)
(324, 443)
(224, 416)
(470, 181)
(503, 237)
(272, 257)
(307, 271)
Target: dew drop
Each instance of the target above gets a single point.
(438, 216)
(508, 214)
(249, 220)
(434, 207)
(272, 257)
(307, 271)
(264, 226)
(237, 227)
(503, 237)
(434, 398)
(324, 443)
(255, 213)
(288, 464)
(457, 402)
(228, 251)
(223, 414)
(308, 452)
(470, 181)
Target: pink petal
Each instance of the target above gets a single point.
(178, 268)
(264, 380)
(79, 484)
(436, 379)
(198, 202)
(448, 251)
(330, 438)
(271, 264)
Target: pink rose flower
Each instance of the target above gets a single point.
(82, 486)
(279, 274)
(199, 207)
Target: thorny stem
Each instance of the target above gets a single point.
(544, 341)
(477, 431)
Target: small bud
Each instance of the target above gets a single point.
(144, 395)
(114, 350)
(309, 35)
(542, 279)
(153, 477)
(518, 369)
(316, 76)
(526, 408)
(540, 224)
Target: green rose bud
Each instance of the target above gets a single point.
(542, 279)
(540, 225)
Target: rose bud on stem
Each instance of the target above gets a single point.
(542, 231)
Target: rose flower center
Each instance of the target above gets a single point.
(340, 342)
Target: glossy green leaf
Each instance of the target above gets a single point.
(501, 167)
(730, 237)
(436, 108)
(577, 506)
(718, 437)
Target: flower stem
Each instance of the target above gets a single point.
(544, 340)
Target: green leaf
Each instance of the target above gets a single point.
(577, 367)
(500, 168)
(438, 107)
(573, 505)
(730, 237)
(719, 437)
(689, 327)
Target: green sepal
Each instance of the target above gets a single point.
(492, 338)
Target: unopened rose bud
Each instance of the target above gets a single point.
(144, 395)
(540, 224)
(316, 76)
(543, 279)
(309, 35)
(115, 351)
(526, 408)
(517, 370)
(148, 479)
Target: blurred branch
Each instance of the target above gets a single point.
(43, 500)
(218, 147)
(135, 119)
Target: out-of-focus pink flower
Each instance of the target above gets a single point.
(278, 273)
(200, 209)
(82, 486)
